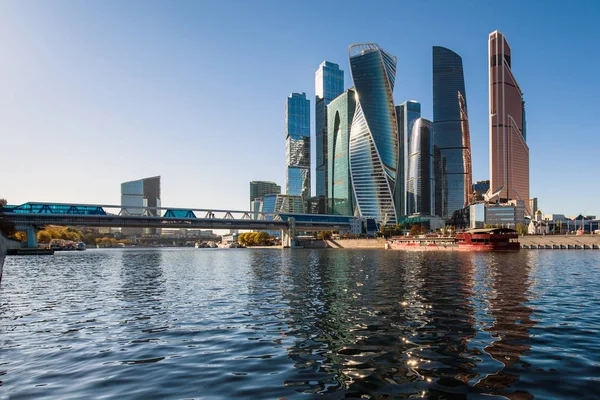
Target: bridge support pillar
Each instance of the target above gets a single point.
(31, 232)
(32, 242)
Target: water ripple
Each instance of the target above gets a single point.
(192, 323)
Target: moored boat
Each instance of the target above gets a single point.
(488, 239)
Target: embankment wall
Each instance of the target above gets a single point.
(343, 244)
(6, 244)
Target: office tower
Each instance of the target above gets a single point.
(451, 136)
(509, 153)
(406, 115)
(374, 133)
(340, 113)
(297, 127)
(419, 185)
(135, 195)
(260, 188)
(329, 84)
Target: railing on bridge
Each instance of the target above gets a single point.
(169, 212)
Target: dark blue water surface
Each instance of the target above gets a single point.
(269, 324)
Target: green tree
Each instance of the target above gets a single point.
(261, 238)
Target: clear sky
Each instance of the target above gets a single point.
(93, 94)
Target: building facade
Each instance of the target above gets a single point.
(340, 113)
(135, 196)
(297, 126)
(374, 132)
(329, 84)
(260, 188)
(451, 138)
(509, 153)
(419, 185)
(406, 115)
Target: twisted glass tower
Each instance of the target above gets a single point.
(374, 132)
(451, 137)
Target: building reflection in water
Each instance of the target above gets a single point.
(142, 279)
(512, 323)
(376, 323)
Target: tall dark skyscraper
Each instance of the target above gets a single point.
(374, 132)
(340, 113)
(329, 84)
(451, 137)
(509, 153)
(297, 127)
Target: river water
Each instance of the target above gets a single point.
(298, 324)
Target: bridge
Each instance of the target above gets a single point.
(30, 217)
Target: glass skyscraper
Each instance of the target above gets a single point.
(297, 126)
(420, 169)
(135, 195)
(260, 188)
(340, 113)
(509, 153)
(329, 84)
(374, 132)
(451, 137)
(406, 115)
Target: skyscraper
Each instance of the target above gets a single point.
(297, 127)
(406, 115)
(509, 153)
(340, 113)
(451, 136)
(329, 84)
(374, 132)
(419, 185)
(260, 188)
(135, 195)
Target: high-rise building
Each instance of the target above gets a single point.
(329, 84)
(260, 188)
(419, 185)
(406, 115)
(297, 127)
(374, 132)
(451, 136)
(509, 153)
(340, 113)
(135, 197)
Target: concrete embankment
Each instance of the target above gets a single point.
(343, 244)
(5, 245)
(560, 240)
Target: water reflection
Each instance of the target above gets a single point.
(512, 323)
(141, 276)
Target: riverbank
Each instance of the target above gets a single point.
(558, 240)
(6, 245)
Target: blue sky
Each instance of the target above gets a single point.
(96, 93)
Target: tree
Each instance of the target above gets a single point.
(415, 230)
(6, 227)
(44, 237)
(324, 235)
